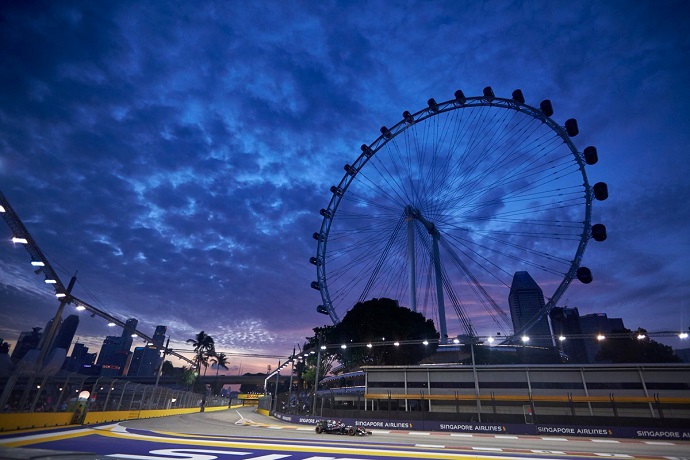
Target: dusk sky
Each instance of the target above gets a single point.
(175, 155)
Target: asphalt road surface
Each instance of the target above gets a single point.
(243, 433)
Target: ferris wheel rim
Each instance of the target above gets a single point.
(434, 109)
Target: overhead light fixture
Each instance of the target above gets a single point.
(2, 209)
(60, 295)
(397, 344)
(49, 281)
(683, 335)
(80, 307)
(37, 263)
(426, 342)
(134, 335)
(601, 337)
(490, 340)
(20, 240)
(111, 324)
(525, 338)
(369, 345)
(343, 346)
(561, 338)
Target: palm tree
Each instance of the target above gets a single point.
(204, 347)
(220, 360)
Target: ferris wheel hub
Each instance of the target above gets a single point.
(413, 213)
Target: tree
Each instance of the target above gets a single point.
(631, 349)
(377, 321)
(168, 368)
(204, 347)
(220, 360)
(187, 377)
(308, 372)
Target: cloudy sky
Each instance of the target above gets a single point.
(175, 155)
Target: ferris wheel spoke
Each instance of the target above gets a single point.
(490, 305)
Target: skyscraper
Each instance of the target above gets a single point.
(566, 322)
(65, 334)
(112, 357)
(44, 335)
(28, 340)
(526, 300)
(159, 336)
(79, 358)
(127, 332)
(594, 324)
(146, 360)
(114, 353)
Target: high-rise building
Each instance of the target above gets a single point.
(159, 336)
(593, 325)
(566, 323)
(114, 353)
(65, 335)
(79, 358)
(147, 359)
(28, 340)
(136, 361)
(127, 332)
(526, 300)
(46, 330)
(112, 357)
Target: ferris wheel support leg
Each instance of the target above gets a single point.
(439, 290)
(412, 264)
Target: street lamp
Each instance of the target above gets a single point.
(316, 378)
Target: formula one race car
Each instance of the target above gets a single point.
(338, 427)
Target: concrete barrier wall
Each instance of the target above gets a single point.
(23, 421)
(116, 416)
(20, 421)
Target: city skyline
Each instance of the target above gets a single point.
(577, 337)
(176, 158)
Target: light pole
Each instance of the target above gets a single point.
(275, 404)
(292, 371)
(476, 380)
(316, 379)
(472, 340)
(160, 370)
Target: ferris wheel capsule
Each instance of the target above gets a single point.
(517, 96)
(584, 275)
(591, 156)
(601, 191)
(546, 107)
(599, 232)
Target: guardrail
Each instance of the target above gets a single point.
(25, 420)
(76, 399)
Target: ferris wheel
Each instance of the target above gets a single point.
(443, 208)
